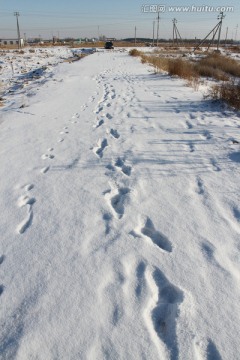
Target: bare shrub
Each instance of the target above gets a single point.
(194, 82)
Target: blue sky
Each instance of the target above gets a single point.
(111, 18)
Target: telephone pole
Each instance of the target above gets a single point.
(220, 17)
(153, 32)
(135, 35)
(236, 32)
(158, 18)
(226, 36)
(16, 13)
(214, 31)
(176, 33)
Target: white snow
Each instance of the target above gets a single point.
(120, 216)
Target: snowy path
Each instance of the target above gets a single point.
(120, 219)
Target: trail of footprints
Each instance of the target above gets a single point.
(166, 298)
(26, 201)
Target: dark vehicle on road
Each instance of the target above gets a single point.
(109, 45)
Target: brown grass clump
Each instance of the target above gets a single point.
(233, 48)
(181, 68)
(228, 92)
(207, 71)
(220, 63)
(134, 52)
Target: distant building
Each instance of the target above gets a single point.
(11, 42)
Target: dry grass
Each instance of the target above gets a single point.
(220, 63)
(135, 52)
(181, 68)
(235, 49)
(214, 66)
(210, 72)
(228, 92)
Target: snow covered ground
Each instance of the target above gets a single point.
(120, 217)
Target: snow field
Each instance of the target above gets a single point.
(120, 218)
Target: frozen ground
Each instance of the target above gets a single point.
(120, 217)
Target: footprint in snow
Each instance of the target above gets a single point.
(117, 199)
(99, 123)
(26, 223)
(212, 351)
(28, 187)
(28, 202)
(189, 125)
(214, 165)
(47, 156)
(200, 186)
(114, 133)
(147, 230)
(163, 309)
(141, 281)
(102, 144)
(45, 169)
(109, 116)
(2, 258)
(126, 169)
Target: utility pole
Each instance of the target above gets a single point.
(98, 32)
(220, 17)
(176, 33)
(236, 32)
(173, 34)
(214, 31)
(18, 31)
(153, 32)
(158, 18)
(135, 35)
(226, 36)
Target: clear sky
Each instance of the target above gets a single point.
(77, 18)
